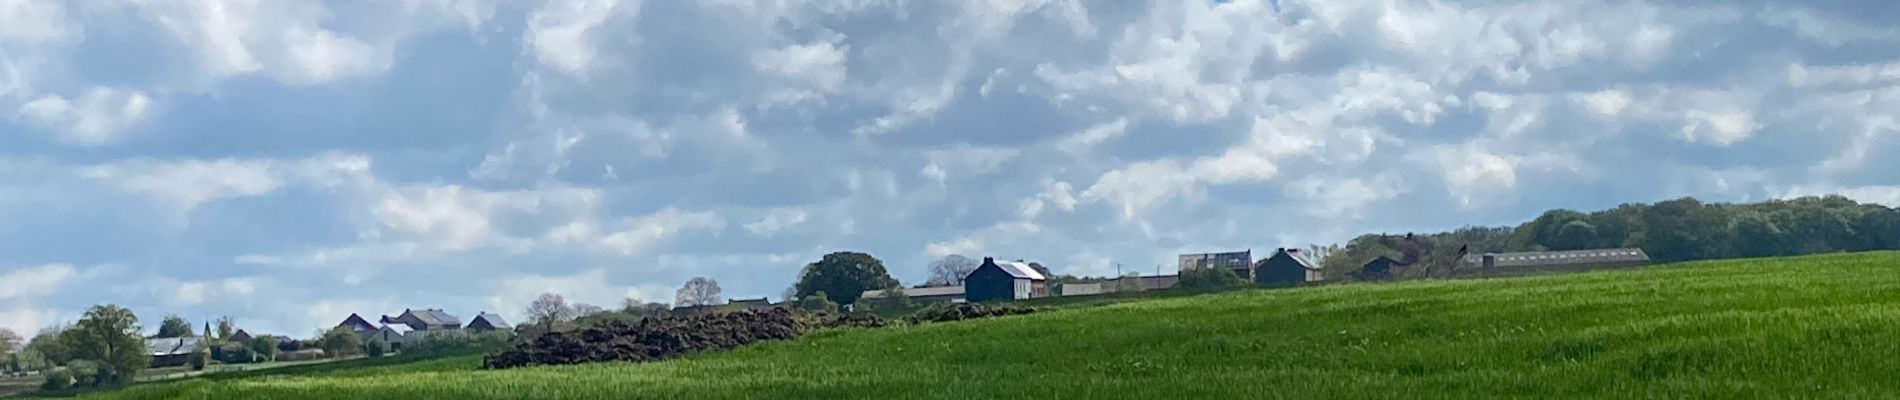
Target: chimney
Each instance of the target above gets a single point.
(989, 260)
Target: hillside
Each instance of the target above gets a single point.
(1818, 326)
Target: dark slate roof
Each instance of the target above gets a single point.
(1560, 258)
(494, 320)
(436, 318)
(170, 346)
(357, 323)
(1295, 255)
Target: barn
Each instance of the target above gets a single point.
(1285, 267)
(485, 322)
(1004, 280)
(1378, 269)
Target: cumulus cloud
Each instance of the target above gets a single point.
(97, 117)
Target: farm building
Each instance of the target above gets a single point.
(1084, 289)
(1239, 261)
(356, 323)
(239, 337)
(749, 304)
(939, 294)
(1286, 266)
(393, 335)
(1551, 261)
(1377, 269)
(1004, 280)
(171, 352)
(425, 322)
(485, 322)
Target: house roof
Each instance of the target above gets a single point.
(434, 317)
(1557, 258)
(171, 346)
(400, 329)
(1020, 270)
(494, 320)
(1295, 255)
(918, 292)
(357, 323)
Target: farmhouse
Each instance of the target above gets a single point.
(1552, 261)
(356, 323)
(1005, 280)
(939, 294)
(485, 322)
(1286, 266)
(171, 352)
(1239, 261)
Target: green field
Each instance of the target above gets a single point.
(1822, 326)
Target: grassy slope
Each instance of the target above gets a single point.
(1796, 327)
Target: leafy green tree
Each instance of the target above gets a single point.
(1757, 236)
(226, 327)
(57, 381)
(339, 342)
(174, 326)
(109, 335)
(845, 276)
(265, 347)
(1879, 228)
(52, 344)
(1575, 235)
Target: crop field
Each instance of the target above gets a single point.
(1805, 327)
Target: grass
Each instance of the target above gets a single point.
(1806, 327)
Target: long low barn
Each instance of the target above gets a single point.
(1531, 262)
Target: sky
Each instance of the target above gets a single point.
(290, 163)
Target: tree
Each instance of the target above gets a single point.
(584, 309)
(950, 270)
(699, 291)
(1574, 235)
(641, 309)
(339, 341)
(548, 309)
(1756, 236)
(265, 347)
(173, 327)
(845, 276)
(51, 343)
(1880, 229)
(226, 327)
(109, 335)
(9, 341)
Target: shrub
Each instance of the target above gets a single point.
(963, 311)
(58, 380)
(199, 359)
(817, 302)
(375, 348)
(339, 342)
(459, 344)
(1210, 279)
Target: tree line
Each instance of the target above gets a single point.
(1673, 230)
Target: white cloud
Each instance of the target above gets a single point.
(776, 220)
(560, 32)
(964, 246)
(96, 118)
(818, 65)
(27, 283)
(1082, 142)
(644, 232)
(186, 184)
(1472, 173)
(1606, 104)
(1718, 128)
(33, 21)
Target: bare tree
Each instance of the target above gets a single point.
(700, 291)
(226, 327)
(950, 270)
(584, 309)
(9, 341)
(549, 309)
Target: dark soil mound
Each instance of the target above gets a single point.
(660, 338)
(963, 311)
